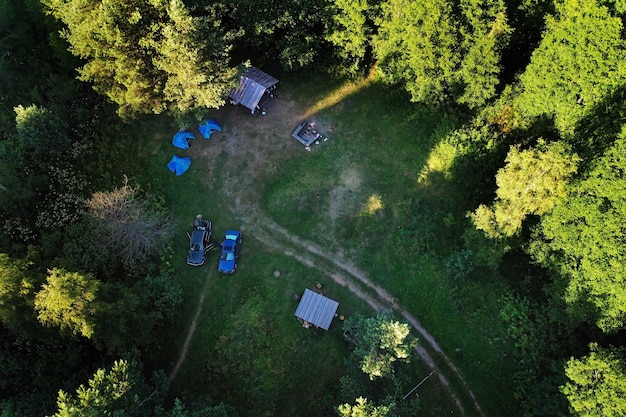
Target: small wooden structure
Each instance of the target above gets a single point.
(254, 89)
(306, 133)
(316, 310)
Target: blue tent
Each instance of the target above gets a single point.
(181, 139)
(179, 165)
(209, 126)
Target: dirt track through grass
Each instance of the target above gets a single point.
(344, 273)
(240, 187)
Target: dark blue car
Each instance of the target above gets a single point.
(230, 252)
(199, 242)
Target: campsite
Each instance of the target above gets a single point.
(315, 210)
(401, 208)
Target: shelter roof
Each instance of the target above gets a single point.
(316, 309)
(253, 85)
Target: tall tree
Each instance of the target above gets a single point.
(441, 51)
(531, 183)
(120, 391)
(351, 32)
(68, 301)
(583, 239)
(597, 383)
(147, 56)
(580, 61)
(134, 226)
(16, 292)
(379, 342)
(363, 408)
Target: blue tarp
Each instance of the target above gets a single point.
(209, 126)
(181, 139)
(179, 165)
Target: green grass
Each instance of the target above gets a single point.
(248, 350)
(403, 245)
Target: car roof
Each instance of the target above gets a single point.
(196, 236)
(231, 234)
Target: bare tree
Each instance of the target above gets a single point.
(134, 227)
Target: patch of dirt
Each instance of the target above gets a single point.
(343, 197)
(256, 145)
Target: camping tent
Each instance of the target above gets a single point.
(316, 309)
(179, 165)
(254, 89)
(181, 139)
(209, 126)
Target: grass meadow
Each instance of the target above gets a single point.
(375, 193)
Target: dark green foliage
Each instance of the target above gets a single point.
(288, 32)
(351, 33)
(16, 292)
(460, 264)
(375, 378)
(579, 62)
(541, 336)
(180, 410)
(440, 51)
(583, 240)
(120, 391)
(148, 57)
(40, 189)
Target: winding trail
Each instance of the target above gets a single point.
(346, 274)
(240, 186)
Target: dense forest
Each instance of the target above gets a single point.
(85, 282)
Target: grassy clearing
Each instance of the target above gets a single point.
(378, 150)
(360, 194)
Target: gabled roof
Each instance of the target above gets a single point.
(251, 88)
(316, 309)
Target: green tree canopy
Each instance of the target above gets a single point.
(68, 301)
(597, 383)
(16, 292)
(351, 32)
(580, 60)
(583, 238)
(532, 182)
(379, 342)
(441, 51)
(147, 56)
(363, 408)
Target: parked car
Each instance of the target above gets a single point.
(199, 241)
(231, 247)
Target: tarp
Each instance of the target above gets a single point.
(181, 139)
(179, 165)
(209, 126)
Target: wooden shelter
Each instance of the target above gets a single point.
(254, 89)
(315, 309)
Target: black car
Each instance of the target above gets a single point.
(199, 241)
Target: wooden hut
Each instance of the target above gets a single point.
(315, 309)
(254, 89)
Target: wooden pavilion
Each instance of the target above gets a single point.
(315, 309)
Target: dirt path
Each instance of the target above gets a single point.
(255, 146)
(190, 333)
(346, 274)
